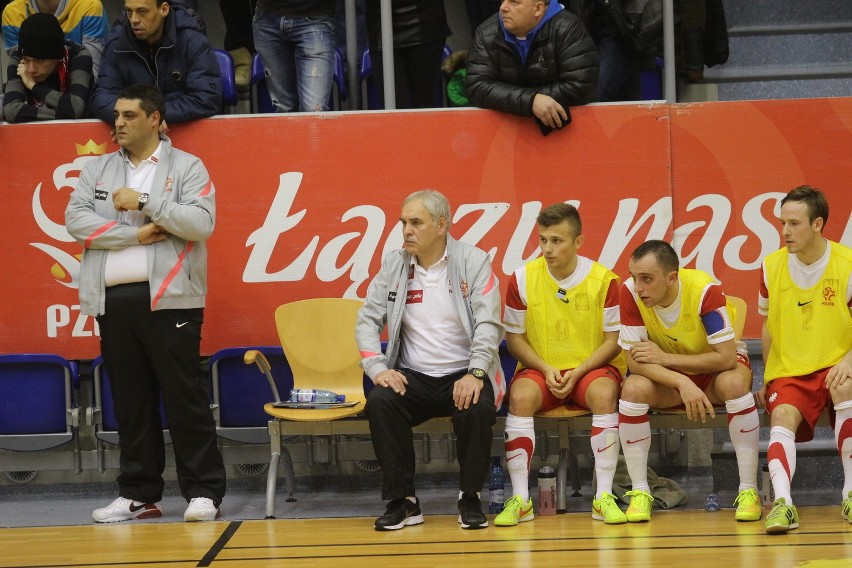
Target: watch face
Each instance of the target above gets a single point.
(478, 373)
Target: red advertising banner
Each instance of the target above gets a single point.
(308, 204)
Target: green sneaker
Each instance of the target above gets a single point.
(514, 511)
(748, 506)
(846, 507)
(783, 517)
(606, 509)
(639, 510)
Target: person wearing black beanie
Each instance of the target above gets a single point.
(48, 78)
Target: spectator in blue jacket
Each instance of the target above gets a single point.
(162, 45)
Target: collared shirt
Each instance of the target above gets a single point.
(434, 342)
(130, 264)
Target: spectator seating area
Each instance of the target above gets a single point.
(260, 102)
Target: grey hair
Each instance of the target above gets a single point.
(434, 202)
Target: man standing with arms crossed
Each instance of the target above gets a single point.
(143, 215)
(679, 340)
(806, 296)
(562, 323)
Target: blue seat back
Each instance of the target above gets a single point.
(261, 102)
(651, 82)
(243, 389)
(226, 70)
(35, 392)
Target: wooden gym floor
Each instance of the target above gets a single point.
(672, 538)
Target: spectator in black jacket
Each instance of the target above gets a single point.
(48, 78)
(533, 58)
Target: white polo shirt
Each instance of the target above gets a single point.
(127, 265)
(433, 340)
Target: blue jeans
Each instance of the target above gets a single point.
(298, 59)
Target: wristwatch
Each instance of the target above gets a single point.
(478, 373)
(143, 199)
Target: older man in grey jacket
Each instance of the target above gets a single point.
(441, 304)
(143, 215)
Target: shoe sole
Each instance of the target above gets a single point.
(781, 529)
(472, 527)
(520, 520)
(639, 520)
(140, 517)
(198, 518)
(414, 520)
(598, 517)
(744, 519)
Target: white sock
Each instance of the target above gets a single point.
(605, 447)
(635, 432)
(781, 456)
(520, 445)
(843, 436)
(744, 428)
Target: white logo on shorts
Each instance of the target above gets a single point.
(772, 397)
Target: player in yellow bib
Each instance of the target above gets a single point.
(677, 332)
(806, 296)
(562, 325)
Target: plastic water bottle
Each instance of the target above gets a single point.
(315, 395)
(546, 491)
(496, 486)
(711, 503)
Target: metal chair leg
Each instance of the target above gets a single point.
(562, 481)
(289, 474)
(272, 474)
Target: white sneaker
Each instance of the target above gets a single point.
(201, 509)
(123, 509)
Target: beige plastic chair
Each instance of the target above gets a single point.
(318, 337)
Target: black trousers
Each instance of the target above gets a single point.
(147, 353)
(417, 74)
(238, 16)
(392, 417)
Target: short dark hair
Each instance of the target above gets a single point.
(813, 198)
(558, 212)
(150, 98)
(662, 251)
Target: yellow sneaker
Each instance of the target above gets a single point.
(748, 506)
(606, 509)
(514, 511)
(846, 507)
(782, 518)
(639, 510)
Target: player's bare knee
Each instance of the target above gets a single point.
(732, 385)
(841, 393)
(602, 396)
(524, 398)
(636, 388)
(786, 415)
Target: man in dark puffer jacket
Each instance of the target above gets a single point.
(162, 45)
(533, 58)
